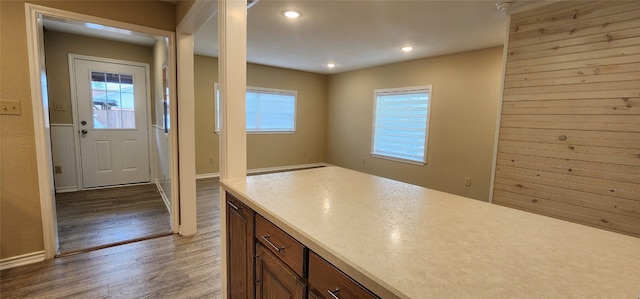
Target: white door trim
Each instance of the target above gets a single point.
(39, 101)
(74, 109)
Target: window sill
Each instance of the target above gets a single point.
(417, 163)
(265, 132)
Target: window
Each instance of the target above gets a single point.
(401, 123)
(268, 110)
(113, 101)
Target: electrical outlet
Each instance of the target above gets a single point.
(58, 107)
(212, 160)
(467, 181)
(10, 107)
(57, 169)
(364, 161)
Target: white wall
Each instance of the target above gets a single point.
(64, 157)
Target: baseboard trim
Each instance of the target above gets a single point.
(67, 189)
(163, 195)
(22, 260)
(207, 175)
(266, 169)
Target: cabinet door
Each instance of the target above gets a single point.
(313, 294)
(274, 280)
(240, 248)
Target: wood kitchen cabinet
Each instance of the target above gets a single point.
(279, 263)
(285, 247)
(267, 263)
(329, 282)
(274, 280)
(240, 248)
(313, 294)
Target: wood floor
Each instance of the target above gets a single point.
(166, 267)
(98, 218)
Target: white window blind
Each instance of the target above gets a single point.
(267, 110)
(400, 124)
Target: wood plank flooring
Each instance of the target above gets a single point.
(98, 218)
(166, 267)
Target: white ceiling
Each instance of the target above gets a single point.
(98, 31)
(355, 34)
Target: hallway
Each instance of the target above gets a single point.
(99, 218)
(172, 266)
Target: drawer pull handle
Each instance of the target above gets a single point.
(233, 206)
(266, 239)
(334, 294)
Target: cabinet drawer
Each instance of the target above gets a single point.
(329, 282)
(235, 205)
(288, 249)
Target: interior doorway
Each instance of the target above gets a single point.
(110, 101)
(162, 148)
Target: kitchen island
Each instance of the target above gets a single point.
(404, 241)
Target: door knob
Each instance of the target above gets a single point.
(83, 132)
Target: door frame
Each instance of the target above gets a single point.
(40, 107)
(74, 110)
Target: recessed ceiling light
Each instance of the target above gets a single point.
(331, 65)
(291, 14)
(407, 49)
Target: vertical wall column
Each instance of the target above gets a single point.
(186, 135)
(232, 34)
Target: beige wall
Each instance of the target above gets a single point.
(182, 8)
(20, 222)
(57, 47)
(307, 145)
(151, 13)
(20, 219)
(464, 103)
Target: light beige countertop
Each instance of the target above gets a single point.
(405, 241)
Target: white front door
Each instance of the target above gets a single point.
(112, 122)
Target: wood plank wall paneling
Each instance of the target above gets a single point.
(569, 144)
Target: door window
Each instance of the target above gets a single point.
(113, 101)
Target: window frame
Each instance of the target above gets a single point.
(294, 93)
(402, 90)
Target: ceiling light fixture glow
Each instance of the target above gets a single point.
(331, 65)
(407, 49)
(291, 14)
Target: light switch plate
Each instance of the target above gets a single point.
(10, 107)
